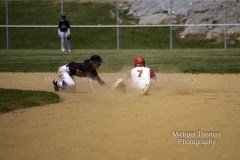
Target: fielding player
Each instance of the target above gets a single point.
(140, 77)
(86, 69)
(64, 33)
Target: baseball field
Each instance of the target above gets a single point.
(191, 113)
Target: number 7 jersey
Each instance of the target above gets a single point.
(141, 76)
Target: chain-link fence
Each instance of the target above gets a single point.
(32, 24)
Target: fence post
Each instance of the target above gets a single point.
(61, 7)
(225, 31)
(7, 32)
(117, 21)
(171, 27)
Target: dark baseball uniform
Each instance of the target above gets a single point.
(85, 69)
(63, 25)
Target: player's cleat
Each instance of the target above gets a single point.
(69, 50)
(116, 84)
(144, 89)
(56, 88)
(63, 50)
(119, 86)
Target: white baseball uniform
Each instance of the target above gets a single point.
(140, 78)
(67, 80)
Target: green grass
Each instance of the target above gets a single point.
(186, 61)
(12, 99)
(88, 13)
(2, 38)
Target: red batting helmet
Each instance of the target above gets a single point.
(139, 62)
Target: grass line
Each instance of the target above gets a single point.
(12, 99)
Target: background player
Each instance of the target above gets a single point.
(140, 77)
(86, 69)
(64, 33)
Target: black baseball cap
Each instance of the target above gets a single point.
(96, 58)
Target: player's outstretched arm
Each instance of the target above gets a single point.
(101, 82)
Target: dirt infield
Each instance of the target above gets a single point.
(107, 126)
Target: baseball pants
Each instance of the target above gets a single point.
(67, 80)
(65, 40)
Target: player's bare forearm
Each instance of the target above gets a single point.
(101, 82)
(98, 79)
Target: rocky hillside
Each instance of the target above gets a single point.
(190, 12)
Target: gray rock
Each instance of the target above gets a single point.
(191, 12)
(155, 19)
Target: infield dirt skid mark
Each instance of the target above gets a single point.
(113, 126)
